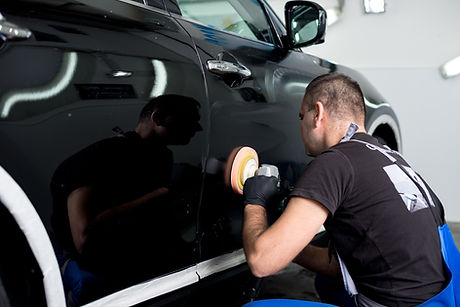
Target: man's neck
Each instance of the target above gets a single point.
(338, 132)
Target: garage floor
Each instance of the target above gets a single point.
(296, 282)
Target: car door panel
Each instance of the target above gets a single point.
(258, 111)
(75, 84)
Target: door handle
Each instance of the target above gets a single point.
(11, 31)
(223, 68)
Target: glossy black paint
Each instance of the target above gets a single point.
(91, 65)
(71, 96)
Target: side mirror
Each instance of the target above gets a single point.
(305, 23)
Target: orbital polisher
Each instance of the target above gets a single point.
(243, 163)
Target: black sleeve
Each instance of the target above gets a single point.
(438, 205)
(85, 167)
(327, 179)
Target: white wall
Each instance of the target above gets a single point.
(400, 52)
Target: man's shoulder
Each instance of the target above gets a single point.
(331, 162)
(335, 153)
(90, 152)
(109, 145)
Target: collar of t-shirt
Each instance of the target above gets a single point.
(366, 137)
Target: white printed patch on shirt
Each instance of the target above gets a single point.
(410, 194)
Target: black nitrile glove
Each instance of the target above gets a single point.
(259, 190)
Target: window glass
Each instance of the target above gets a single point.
(156, 3)
(276, 21)
(243, 17)
(172, 6)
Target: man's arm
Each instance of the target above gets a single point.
(269, 250)
(78, 204)
(78, 212)
(317, 259)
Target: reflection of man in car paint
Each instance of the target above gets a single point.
(110, 211)
(392, 251)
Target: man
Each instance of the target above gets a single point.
(390, 247)
(110, 200)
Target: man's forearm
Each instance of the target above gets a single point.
(254, 224)
(269, 250)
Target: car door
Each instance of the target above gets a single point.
(82, 69)
(255, 89)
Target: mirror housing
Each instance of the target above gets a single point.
(305, 23)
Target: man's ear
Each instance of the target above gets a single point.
(320, 113)
(157, 118)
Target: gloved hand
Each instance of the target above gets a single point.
(258, 190)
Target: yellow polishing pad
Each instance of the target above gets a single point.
(242, 164)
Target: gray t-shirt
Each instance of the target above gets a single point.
(378, 222)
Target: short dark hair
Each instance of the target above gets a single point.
(340, 95)
(170, 104)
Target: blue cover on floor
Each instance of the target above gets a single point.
(284, 302)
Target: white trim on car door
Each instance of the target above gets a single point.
(20, 207)
(22, 210)
(166, 284)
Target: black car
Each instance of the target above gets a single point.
(73, 70)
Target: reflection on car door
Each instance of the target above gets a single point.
(91, 68)
(255, 90)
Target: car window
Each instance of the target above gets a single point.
(243, 17)
(155, 3)
(276, 21)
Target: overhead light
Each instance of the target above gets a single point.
(161, 78)
(53, 88)
(451, 68)
(374, 6)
